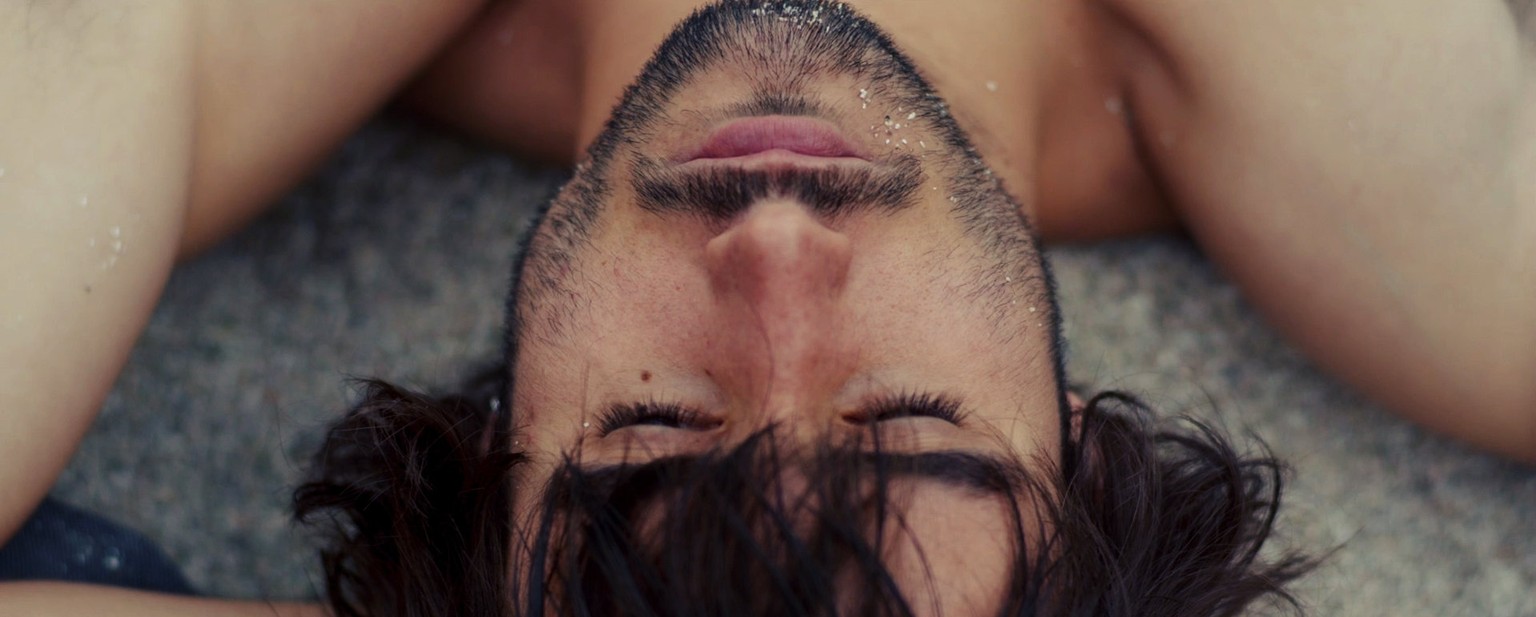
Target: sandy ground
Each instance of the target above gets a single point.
(392, 262)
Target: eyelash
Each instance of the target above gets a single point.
(914, 404)
(675, 415)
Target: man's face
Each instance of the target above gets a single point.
(782, 227)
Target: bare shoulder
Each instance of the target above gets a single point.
(1366, 46)
(1430, 92)
(1361, 169)
(1419, 104)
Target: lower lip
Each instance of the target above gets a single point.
(805, 137)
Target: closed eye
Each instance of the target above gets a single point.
(678, 416)
(668, 415)
(910, 405)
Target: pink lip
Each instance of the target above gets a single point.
(791, 134)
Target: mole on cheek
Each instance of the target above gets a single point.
(645, 375)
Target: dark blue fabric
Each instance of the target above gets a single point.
(64, 543)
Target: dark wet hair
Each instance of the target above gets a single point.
(414, 495)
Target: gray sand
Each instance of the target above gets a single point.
(392, 262)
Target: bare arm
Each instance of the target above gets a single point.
(1363, 170)
(135, 129)
(97, 119)
(71, 600)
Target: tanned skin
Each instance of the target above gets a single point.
(1362, 172)
(135, 130)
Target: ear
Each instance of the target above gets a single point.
(1076, 404)
(1086, 457)
(485, 393)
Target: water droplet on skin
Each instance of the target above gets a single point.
(896, 126)
(887, 121)
(1031, 309)
(586, 425)
(1114, 105)
(903, 142)
(991, 86)
(912, 116)
(1008, 279)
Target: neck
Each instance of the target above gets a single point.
(617, 38)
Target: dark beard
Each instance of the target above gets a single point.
(787, 48)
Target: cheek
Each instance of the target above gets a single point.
(626, 311)
(642, 300)
(934, 306)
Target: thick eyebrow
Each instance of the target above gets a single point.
(986, 473)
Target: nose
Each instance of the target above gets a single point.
(778, 277)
